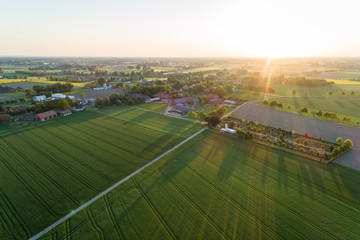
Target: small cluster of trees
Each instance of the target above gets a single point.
(117, 99)
(151, 90)
(49, 89)
(273, 104)
(345, 145)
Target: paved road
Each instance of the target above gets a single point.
(314, 127)
(72, 213)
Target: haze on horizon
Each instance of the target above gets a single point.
(138, 28)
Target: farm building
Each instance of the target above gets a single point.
(185, 100)
(152, 100)
(212, 98)
(228, 130)
(164, 97)
(45, 115)
(182, 108)
(63, 113)
(41, 98)
(60, 95)
(229, 103)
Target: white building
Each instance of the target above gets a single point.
(41, 98)
(152, 100)
(227, 130)
(104, 87)
(60, 95)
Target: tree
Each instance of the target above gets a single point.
(186, 88)
(343, 93)
(215, 120)
(220, 91)
(202, 115)
(319, 113)
(306, 142)
(82, 95)
(352, 93)
(101, 81)
(2, 108)
(265, 102)
(192, 114)
(339, 140)
(294, 92)
(221, 110)
(330, 93)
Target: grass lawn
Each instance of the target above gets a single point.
(154, 106)
(12, 96)
(49, 168)
(220, 187)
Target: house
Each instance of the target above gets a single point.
(64, 113)
(185, 100)
(229, 103)
(41, 98)
(78, 108)
(45, 115)
(163, 97)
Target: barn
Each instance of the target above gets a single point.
(45, 115)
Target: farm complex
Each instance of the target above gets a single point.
(98, 148)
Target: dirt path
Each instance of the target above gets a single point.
(73, 212)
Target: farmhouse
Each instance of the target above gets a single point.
(41, 98)
(45, 115)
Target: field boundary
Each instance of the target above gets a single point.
(72, 213)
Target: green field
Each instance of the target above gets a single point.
(49, 168)
(345, 106)
(154, 106)
(219, 187)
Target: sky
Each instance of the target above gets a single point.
(186, 28)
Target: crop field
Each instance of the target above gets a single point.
(154, 106)
(346, 106)
(219, 187)
(49, 168)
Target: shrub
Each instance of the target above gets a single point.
(273, 103)
(265, 102)
(306, 143)
(348, 143)
(304, 110)
(339, 140)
